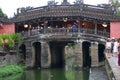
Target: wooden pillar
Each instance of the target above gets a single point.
(29, 32)
(94, 54)
(79, 28)
(95, 27)
(45, 55)
(45, 26)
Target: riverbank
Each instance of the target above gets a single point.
(8, 70)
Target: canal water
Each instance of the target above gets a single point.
(61, 74)
(55, 74)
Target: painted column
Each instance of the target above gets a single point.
(45, 55)
(78, 21)
(94, 54)
(78, 53)
(45, 26)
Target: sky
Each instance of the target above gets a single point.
(9, 7)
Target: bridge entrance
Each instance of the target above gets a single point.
(57, 50)
(57, 53)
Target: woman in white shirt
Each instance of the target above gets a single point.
(115, 48)
(108, 48)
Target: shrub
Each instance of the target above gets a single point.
(8, 70)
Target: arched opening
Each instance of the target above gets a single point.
(101, 55)
(37, 54)
(86, 54)
(22, 51)
(57, 53)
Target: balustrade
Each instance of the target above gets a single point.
(63, 31)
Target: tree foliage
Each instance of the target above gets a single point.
(50, 3)
(116, 4)
(1, 12)
(9, 40)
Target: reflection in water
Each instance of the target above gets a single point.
(82, 75)
(13, 77)
(77, 74)
(54, 74)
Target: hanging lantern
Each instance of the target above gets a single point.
(65, 19)
(104, 24)
(25, 26)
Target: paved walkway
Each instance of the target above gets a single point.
(98, 73)
(113, 61)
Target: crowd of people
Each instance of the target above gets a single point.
(113, 48)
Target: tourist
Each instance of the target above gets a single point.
(74, 28)
(112, 45)
(118, 52)
(115, 48)
(108, 48)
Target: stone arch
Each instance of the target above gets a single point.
(86, 53)
(57, 53)
(36, 54)
(58, 50)
(101, 49)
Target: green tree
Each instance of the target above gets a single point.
(116, 4)
(1, 12)
(10, 41)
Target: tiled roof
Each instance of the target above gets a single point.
(81, 10)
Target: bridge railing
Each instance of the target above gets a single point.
(56, 31)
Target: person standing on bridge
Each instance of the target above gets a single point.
(112, 45)
(115, 48)
(74, 28)
(108, 48)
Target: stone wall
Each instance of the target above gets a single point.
(8, 59)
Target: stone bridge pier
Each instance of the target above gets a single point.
(79, 55)
(94, 54)
(45, 55)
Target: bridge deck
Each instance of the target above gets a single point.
(113, 62)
